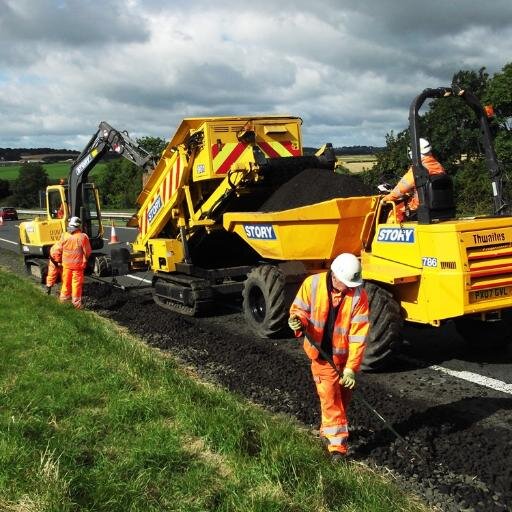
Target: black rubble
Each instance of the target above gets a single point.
(314, 186)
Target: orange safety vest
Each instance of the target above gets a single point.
(407, 185)
(76, 250)
(350, 327)
(56, 252)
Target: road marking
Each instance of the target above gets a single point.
(8, 241)
(139, 278)
(475, 378)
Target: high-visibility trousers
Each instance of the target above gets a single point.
(53, 274)
(71, 289)
(334, 402)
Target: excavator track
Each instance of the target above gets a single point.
(200, 308)
(182, 294)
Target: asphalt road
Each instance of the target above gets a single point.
(452, 403)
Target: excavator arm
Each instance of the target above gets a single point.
(104, 140)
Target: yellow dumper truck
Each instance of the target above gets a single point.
(205, 230)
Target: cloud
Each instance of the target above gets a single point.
(349, 69)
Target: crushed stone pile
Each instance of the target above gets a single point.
(314, 186)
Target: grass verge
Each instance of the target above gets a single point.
(93, 419)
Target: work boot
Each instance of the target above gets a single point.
(337, 457)
(48, 290)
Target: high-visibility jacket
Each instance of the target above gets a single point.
(76, 250)
(56, 252)
(350, 326)
(54, 267)
(406, 184)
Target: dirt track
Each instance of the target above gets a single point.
(467, 453)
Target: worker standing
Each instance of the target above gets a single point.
(54, 266)
(331, 311)
(76, 249)
(405, 193)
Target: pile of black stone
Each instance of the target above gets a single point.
(314, 186)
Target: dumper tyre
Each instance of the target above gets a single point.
(480, 334)
(264, 301)
(385, 335)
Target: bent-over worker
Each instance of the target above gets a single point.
(405, 193)
(76, 250)
(54, 266)
(331, 311)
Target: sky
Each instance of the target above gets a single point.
(349, 69)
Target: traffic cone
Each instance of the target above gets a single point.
(113, 236)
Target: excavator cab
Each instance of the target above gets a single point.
(58, 211)
(90, 214)
(56, 204)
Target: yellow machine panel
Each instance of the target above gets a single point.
(204, 159)
(444, 270)
(40, 232)
(164, 253)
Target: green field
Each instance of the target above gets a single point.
(92, 419)
(55, 171)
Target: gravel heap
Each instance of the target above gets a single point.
(314, 186)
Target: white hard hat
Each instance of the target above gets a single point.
(347, 269)
(74, 222)
(425, 148)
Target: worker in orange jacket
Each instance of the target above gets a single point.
(54, 266)
(405, 193)
(76, 250)
(331, 311)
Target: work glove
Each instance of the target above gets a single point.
(295, 323)
(384, 188)
(349, 378)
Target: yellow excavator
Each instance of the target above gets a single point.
(77, 198)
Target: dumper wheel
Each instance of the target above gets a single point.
(385, 338)
(264, 301)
